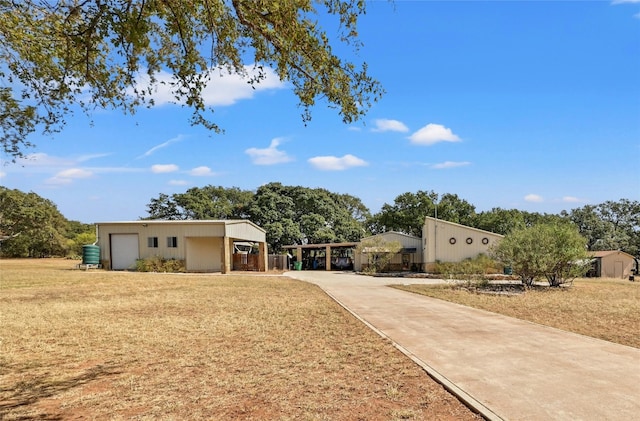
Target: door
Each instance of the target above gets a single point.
(204, 254)
(617, 269)
(124, 251)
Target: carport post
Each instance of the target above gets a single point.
(227, 247)
(262, 250)
(327, 258)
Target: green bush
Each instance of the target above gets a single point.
(160, 264)
(479, 265)
(555, 251)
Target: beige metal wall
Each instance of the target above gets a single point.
(160, 230)
(616, 265)
(247, 231)
(204, 254)
(104, 238)
(449, 242)
(185, 232)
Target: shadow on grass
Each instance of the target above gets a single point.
(29, 392)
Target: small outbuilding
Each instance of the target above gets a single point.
(204, 245)
(612, 264)
(445, 241)
(409, 258)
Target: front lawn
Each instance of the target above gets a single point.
(78, 344)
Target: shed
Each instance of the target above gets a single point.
(408, 259)
(204, 245)
(611, 264)
(445, 241)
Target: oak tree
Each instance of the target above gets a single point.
(56, 55)
(30, 225)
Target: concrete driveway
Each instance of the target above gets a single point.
(503, 367)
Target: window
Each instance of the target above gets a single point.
(152, 242)
(172, 242)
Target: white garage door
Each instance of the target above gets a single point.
(124, 251)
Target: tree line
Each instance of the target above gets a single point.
(303, 215)
(32, 226)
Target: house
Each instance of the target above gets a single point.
(204, 245)
(612, 264)
(441, 241)
(409, 258)
(444, 241)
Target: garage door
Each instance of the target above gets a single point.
(124, 251)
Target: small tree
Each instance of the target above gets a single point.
(74, 245)
(554, 251)
(378, 252)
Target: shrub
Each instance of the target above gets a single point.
(378, 253)
(555, 251)
(160, 264)
(480, 265)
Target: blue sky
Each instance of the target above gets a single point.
(528, 105)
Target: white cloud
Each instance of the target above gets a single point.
(44, 160)
(201, 172)
(103, 170)
(270, 155)
(571, 199)
(3, 174)
(450, 164)
(386, 125)
(57, 181)
(432, 134)
(45, 163)
(178, 182)
(67, 176)
(624, 1)
(89, 157)
(333, 163)
(164, 168)
(534, 198)
(222, 88)
(162, 145)
(74, 173)
(64, 170)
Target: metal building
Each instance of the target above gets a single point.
(444, 241)
(612, 264)
(409, 258)
(204, 245)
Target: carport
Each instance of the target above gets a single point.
(314, 256)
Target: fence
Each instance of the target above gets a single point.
(278, 262)
(246, 262)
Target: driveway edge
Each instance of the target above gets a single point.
(468, 400)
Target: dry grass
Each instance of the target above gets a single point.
(110, 345)
(607, 309)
